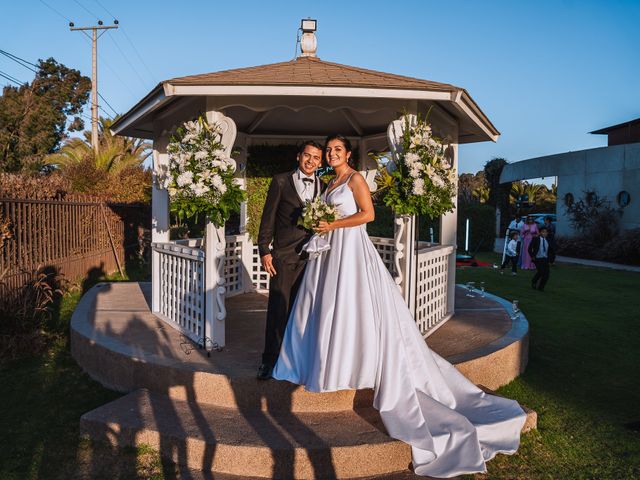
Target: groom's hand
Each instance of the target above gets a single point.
(267, 264)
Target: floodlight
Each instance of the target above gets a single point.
(308, 25)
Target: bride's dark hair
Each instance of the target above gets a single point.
(347, 145)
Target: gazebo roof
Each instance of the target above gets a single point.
(311, 71)
(311, 82)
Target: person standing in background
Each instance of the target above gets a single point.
(511, 254)
(528, 232)
(542, 254)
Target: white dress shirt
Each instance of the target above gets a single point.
(304, 188)
(543, 249)
(516, 225)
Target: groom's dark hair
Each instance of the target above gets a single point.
(311, 143)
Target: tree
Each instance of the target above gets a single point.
(114, 153)
(115, 172)
(33, 116)
(472, 188)
(498, 193)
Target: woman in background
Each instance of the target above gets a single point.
(527, 232)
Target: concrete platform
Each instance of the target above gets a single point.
(212, 414)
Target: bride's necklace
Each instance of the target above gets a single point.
(338, 180)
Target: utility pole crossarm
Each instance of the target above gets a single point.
(94, 76)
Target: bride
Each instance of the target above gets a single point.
(350, 329)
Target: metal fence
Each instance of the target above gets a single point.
(68, 236)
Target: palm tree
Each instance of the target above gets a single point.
(115, 154)
(481, 193)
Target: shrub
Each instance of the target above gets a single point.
(263, 163)
(20, 185)
(623, 248)
(593, 217)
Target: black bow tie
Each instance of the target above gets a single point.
(307, 180)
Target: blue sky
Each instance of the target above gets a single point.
(545, 72)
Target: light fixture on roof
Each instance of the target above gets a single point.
(308, 42)
(308, 25)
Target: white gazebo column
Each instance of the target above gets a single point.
(448, 232)
(159, 214)
(215, 312)
(404, 233)
(243, 141)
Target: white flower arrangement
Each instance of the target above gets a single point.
(422, 181)
(315, 211)
(199, 179)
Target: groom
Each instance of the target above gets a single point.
(283, 207)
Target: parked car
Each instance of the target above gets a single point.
(539, 218)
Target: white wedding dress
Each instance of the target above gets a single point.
(350, 329)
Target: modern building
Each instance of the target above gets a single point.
(611, 172)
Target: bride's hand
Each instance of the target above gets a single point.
(323, 227)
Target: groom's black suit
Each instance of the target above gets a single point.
(281, 211)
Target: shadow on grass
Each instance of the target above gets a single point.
(43, 396)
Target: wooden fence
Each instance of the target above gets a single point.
(74, 236)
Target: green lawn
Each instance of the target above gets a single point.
(41, 403)
(582, 376)
(582, 379)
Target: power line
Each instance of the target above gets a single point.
(105, 8)
(115, 73)
(55, 11)
(11, 79)
(127, 60)
(87, 10)
(126, 35)
(20, 61)
(108, 104)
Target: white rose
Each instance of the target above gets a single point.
(418, 187)
(411, 158)
(185, 178)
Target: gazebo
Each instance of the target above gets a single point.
(288, 102)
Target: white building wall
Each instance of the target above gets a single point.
(605, 170)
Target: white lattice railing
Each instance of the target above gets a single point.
(181, 271)
(181, 276)
(386, 248)
(233, 268)
(432, 286)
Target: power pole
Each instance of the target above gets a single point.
(94, 74)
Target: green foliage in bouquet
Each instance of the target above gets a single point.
(421, 180)
(315, 211)
(200, 177)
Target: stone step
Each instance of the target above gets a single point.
(251, 443)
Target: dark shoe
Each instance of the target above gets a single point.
(264, 371)
(533, 285)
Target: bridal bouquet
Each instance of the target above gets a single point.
(421, 180)
(314, 212)
(199, 178)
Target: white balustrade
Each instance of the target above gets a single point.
(432, 286)
(233, 268)
(182, 277)
(181, 281)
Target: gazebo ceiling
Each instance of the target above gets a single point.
(305, 96)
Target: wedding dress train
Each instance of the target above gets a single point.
(350, 329)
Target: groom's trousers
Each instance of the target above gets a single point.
(283, 288)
